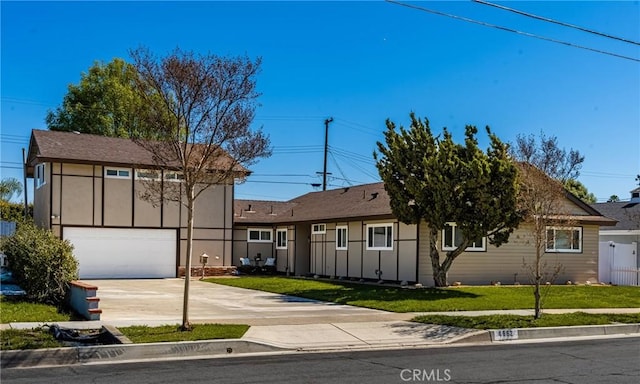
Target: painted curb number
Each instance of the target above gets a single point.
(505, 334)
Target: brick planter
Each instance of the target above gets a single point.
(209, 271)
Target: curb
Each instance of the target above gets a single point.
(499, 335)
(123, 352)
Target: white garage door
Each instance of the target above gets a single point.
(123, 252)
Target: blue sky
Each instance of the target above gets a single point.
(360, 63)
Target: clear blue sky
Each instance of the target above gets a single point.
(360, 63)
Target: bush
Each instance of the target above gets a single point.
(42, 264)
(14, 211)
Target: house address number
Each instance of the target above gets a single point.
(505, 334)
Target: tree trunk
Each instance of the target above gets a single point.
(439, 273)
(536, 290)
(186, 325)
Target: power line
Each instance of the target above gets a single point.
(510, 30)
(555, 21)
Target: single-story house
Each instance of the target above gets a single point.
(88, 189)
(619, 259)
(351, 233)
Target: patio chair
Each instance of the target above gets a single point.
(269, 265)
(246, 266)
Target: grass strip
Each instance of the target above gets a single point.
(515, 321)
(166, 333)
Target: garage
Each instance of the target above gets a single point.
(109, 253)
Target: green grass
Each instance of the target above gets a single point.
(27, 339)
(513, 321)
(442, 299)
(41, 338)
(17, 310)
(166, 333)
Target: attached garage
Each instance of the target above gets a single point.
(110, 253)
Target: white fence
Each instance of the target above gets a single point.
(618, 264)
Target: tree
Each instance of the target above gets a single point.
(548, 157)
(9, 187)
(544, 171)
(105, 102)
(435, 180)
(613, 199)
(201, 108)
(580, 191)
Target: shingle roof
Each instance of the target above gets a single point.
(362, 201)
(626, 213)
(88, 149)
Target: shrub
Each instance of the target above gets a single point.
(42, 264)
(14, 211)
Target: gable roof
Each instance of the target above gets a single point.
(369, 201)
(82, 148)
(362, 201)
(626, 213)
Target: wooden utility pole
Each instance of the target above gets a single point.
(326, 149)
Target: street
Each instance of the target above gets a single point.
(587, 361)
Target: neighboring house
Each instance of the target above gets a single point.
(352, 233)
(87, 189)
(619, 259)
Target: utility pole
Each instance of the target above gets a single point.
(24, 178)
(326, 148)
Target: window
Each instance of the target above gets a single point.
(380, 237)
(173, 176)
(342, 238)
(118, 173)
(452, 238)
(318, 229)
(564, 239)
(147, 174)
(258, 235)
(281, 239)
(39, 175)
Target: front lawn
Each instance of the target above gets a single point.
(513, 321)
(396, 299)
(18, 310)
(27, 339)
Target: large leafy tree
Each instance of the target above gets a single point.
(200, 111)
(580, 191)
(433, 179)
(9, 187)
(105, 102)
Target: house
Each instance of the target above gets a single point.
(88, 188)
(352, 233)
(619, 259)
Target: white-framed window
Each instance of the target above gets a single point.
(318, 229)
(564, 239)
(258, 235)
(39, 175)
(147, 174)
(117, 173)
(342, 237)
(380, 237)
(173, 176)
(452, 238)
(281, 238)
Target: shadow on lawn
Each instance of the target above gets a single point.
(346, 293)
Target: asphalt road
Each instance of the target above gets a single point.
(587, 361)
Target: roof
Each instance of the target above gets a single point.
(82, 148)
(362, 201)
(625, 212)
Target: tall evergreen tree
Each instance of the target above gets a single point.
(435, 180)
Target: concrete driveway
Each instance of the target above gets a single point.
(160, 301)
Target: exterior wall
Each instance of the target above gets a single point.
(80, 195)
(505, 263)
(243, 248)
(357, 261)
